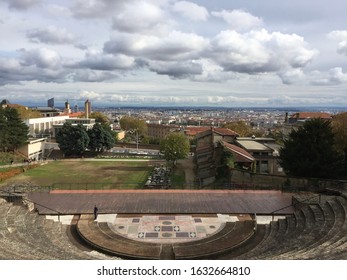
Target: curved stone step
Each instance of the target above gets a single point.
(114, 244)
(223, 241)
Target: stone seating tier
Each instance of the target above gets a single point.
(316, 231)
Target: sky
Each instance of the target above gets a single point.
(226, 53)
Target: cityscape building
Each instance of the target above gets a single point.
(87, 108)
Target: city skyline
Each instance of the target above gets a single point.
(174, 53)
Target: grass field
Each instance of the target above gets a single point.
(88, 174)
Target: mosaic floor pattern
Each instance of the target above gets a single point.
(169, 228)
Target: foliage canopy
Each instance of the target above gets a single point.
(101, 138)
(310, 151)
(13, 132)
(133, 124)
(175, 146)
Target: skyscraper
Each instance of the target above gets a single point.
(50, 103)
(87, 108)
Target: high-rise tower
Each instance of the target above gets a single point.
(87, 108)
(50, 103)
(67, 107)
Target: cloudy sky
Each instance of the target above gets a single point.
(168, 52)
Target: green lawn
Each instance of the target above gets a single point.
(177, 179)
(87, 174)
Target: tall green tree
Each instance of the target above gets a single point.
(101, 138)
(310, 151)
(72, 140)
(175, 146)
(13, 132)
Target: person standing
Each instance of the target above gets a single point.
(95, 212)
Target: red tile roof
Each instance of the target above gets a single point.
(225, 131)
(73, 115)
(311, 115)
(240, 154)
(194, 130)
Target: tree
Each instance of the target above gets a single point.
(100, 118)
(242, 128)
(72, 140)
(132, 124)
(101, 138)
(339, 125)
(175, 146)
(13, 132)
(27, 113)
(309, 151)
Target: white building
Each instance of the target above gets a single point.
(43, 127)
(33, 149)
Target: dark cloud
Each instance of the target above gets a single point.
(106, 62)
(41, 58)
(13, 71)
(176, 70)
(50, 35)
(21, 4)
(239, 41)
(91, 76)
(95, 9)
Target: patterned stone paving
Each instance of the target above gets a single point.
(169, 229)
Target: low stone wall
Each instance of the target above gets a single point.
(244, 179)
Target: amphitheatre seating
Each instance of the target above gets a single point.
(327, 237)
(27, 235)
(316, 231)
(231, 236)
(248, 245)
(100, 236)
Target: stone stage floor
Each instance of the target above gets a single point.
(167, 228)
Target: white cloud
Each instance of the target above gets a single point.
(227, 51)
(90, 76)
(191, 11)
(340, 35)
(92, 95)
(334, 76)
(260, 51)
(140, 16)
(239, 20)
(175, 46)
(292, 76)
